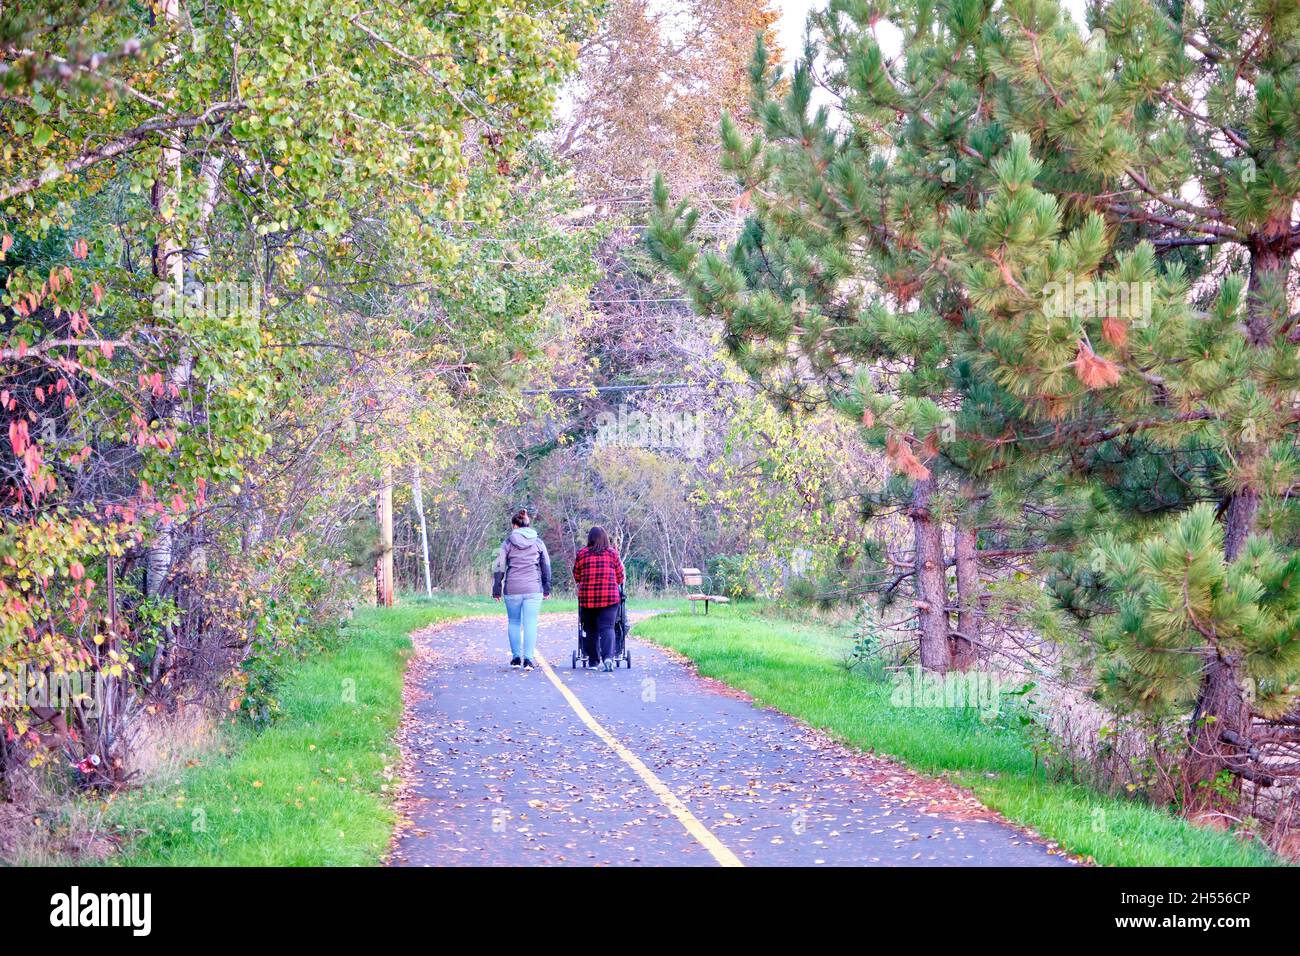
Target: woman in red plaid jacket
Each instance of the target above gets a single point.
(598, 573)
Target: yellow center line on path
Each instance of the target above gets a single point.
(678, 809)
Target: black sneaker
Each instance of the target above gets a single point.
(528, 664)
(515, 662)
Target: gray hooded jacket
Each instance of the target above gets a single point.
(522, 565)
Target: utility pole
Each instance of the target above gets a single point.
(418, 494)
(384, 563)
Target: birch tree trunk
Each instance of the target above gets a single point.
(384, 563)
(169, 286)
(417, 492)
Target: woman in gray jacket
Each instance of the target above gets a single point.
(521, 575)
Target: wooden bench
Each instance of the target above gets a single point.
(694, 578)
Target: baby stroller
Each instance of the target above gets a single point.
(622, 656)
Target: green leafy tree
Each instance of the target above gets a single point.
(241, 247)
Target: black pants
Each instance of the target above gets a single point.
(598, 625)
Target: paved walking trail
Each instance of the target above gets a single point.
(651, 766)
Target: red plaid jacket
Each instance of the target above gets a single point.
(598, 573)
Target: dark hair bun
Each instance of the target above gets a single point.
(521, 518)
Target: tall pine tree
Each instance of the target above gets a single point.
(1083, 243)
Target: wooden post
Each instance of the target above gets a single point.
(384, 564)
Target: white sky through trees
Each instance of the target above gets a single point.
(794, 14)
(793, 17)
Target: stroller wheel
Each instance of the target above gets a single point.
(574, 664)
(627, 656)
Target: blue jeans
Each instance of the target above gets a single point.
(521, 614)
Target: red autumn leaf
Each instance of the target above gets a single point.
(80, 249)
(18, 436)
(77, 570)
